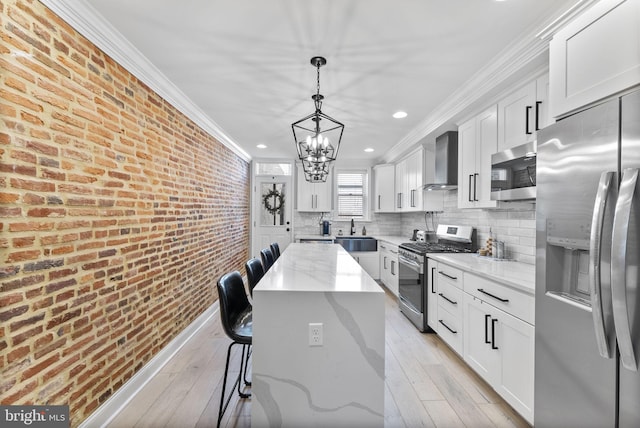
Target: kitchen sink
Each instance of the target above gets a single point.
(357, 243)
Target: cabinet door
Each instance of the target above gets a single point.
(432, 294)
(324, 195)
(466, 163)
(595, 56)
(486, 145)
(401, 186)
(393, 272)
(384, 188)
(306, 197)
(384, 265)
(543, 112)
(369, 261)
(414, 181)
(516, 117)
(516, 342)
(479, 340)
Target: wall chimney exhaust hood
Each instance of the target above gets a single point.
(446, 171)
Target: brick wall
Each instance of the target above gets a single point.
(118, 215)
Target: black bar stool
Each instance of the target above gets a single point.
(255, 272)
(236, 316)
(275, 249)
(267, 258)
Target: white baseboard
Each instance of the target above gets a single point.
(114, 405)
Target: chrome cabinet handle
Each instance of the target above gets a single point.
(602, 317)
(619, 238)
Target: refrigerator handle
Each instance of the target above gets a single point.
(597, 224)
(619, 237)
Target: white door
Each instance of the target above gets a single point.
(272, 212)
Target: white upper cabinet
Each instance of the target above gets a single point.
(522, 113)
(384, 188)
(477, 141)
(409, 173)
(401, 186)
(595, 56)
(314, 197)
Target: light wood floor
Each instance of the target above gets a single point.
(426, 385)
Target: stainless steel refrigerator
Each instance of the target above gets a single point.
(587, 260)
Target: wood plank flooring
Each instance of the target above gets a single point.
(427, 385)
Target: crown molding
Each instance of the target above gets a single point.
(88, 22)
(557, 24)
(492, 77)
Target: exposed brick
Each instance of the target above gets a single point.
(20, 256)
(6, 315)
(98, 177)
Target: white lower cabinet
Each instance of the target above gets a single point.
(370, 262)
(448, 287)
(431, 275)
(388, 263)
(500, 348)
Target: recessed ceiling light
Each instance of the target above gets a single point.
(369, 150)
(261, 146)
(400, 114)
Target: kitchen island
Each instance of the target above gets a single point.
(318, 342)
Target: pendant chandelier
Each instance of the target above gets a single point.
(317, 136)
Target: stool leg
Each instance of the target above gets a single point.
(224, 387)
(246, 364)
(243, 370)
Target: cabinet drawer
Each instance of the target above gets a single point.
(449, 275)
(450, 329)
(450, 298)
(512, 301)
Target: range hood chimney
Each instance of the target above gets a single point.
(446, 171)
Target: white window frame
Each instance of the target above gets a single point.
(366, 196)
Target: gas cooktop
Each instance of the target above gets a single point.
(451, 239)
(436, 247)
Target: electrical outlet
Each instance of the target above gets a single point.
(315, 334)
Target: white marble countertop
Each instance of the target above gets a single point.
(316, 237)
(393, 239)
(521, 276)
(317, 267)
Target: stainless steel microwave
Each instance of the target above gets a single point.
(513, 173)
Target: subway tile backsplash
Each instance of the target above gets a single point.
(514, 223)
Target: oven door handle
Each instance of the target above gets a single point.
(409, 263)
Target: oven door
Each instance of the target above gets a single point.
(411, 284)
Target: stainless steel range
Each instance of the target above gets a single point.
(412, 259)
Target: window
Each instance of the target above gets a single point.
(273, 168)
(353, 195)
